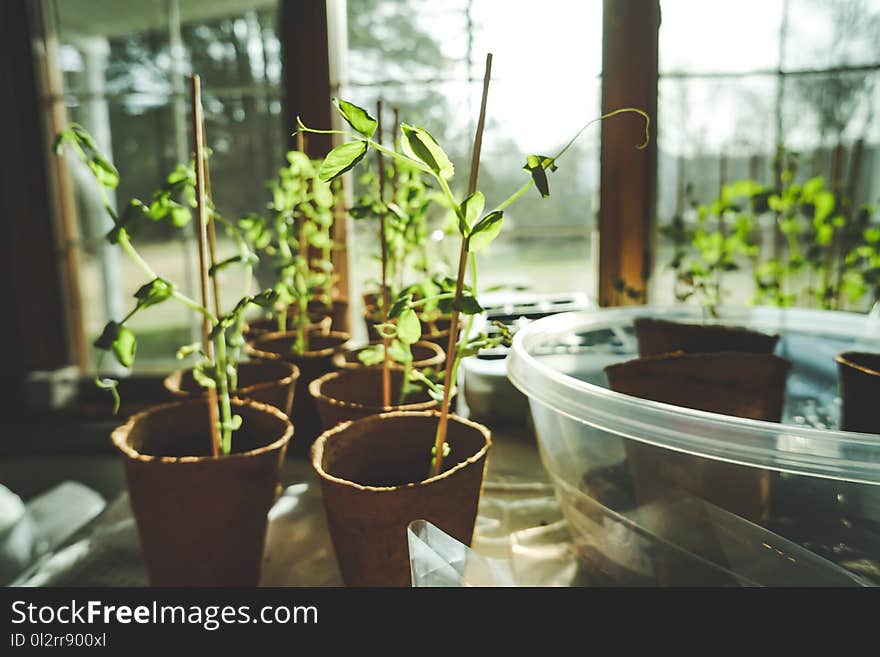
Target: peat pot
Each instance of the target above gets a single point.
(337, 312)
(425, 355)
(743, 385)
(266, 381)
(314, 363)
(859, 376)
(356, 393)
(256, 328)
(658, 336)
(202, 520)
(373, 479)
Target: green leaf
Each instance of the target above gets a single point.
(265, 299)
(154, 292)
(249, 259)
(467, 304)
(420, 145)
(537, 166)
(105, 173)
(372, 355)
(341, 159)
(357, 117)
(399, 306)
(180, 214)
(471, 209)
(485, 231)
(409, 329)
(120, 341)
(824, 203)
(399, 352)
(125, 346)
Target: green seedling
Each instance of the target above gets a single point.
(477, 228)
(172, 203)
(297, 238)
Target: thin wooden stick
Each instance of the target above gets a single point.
(303, 245)
(212, 232)
(440, 440)
(198, 140)
(386, 343)
(400, 256)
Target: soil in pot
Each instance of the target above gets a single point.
(658, 336)
(373, 475)
(267, 381)
(425, 355)
(202, 520)
(257, 328)
(357, 393)
(859, 379)
(739, 384)
(312, 364)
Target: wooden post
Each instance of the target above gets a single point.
(34, 330)
(305, 31)
(628, 181)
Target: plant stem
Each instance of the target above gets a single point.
(132, 253)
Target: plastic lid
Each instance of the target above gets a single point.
(534, 368)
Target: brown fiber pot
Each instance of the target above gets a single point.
(266, 381)
(357, 393)
(259, 327)
(658, 336)
(312, 364)
(739, 384)
(425, 355)
(337, 312)
(859, 377)
(202, 520)
(372, 474)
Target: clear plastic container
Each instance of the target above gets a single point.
(645, 486)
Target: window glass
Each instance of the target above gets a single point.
(124, 77)
(427, 58)
(792, 76)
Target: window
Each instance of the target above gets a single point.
(123, 78)
(796, 74)
(426, 58)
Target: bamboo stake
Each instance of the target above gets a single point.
(386, 344)
(303, 245)
(440, 440)
(198, 140)
(401, 253)
(212, 232)
(303, 250)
